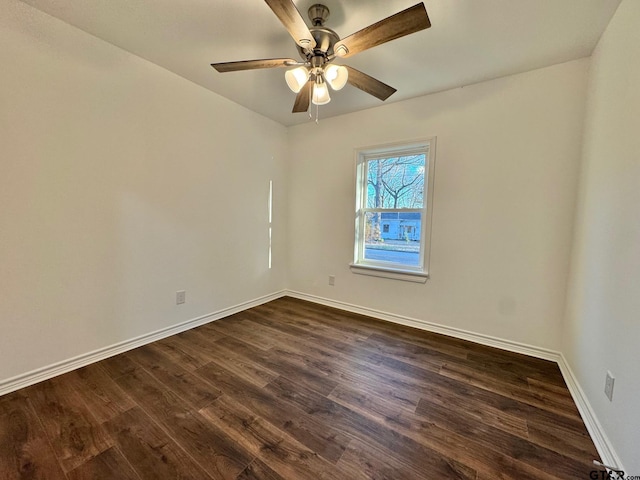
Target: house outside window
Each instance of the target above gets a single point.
(394, 194)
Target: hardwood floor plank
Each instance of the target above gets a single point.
(317, 436)
(366, 377)
(235, 362)
(487, 462)
(559, 393)
(25, 452)
(258, 470)
(486, 406)
(317, 322)
(511, 445)
(568, 443)
(234, 329)
(357, 370)
(470, 398)
(100, 393)
(516, 361)
(286, 456)
(408, 352)
(518, 391)
(538, 415)
(107, 465)
(317, 381)
(515, 370)
(185, 384)
(380, 436)
(309, 335)
(74, 433)
(338, 318)
(150, 450)
(320, 350)
(187, 358)
(204, 332)
(119, 365)
(200, 339)
(361, 364)
(362, 459)
(218, 455)
(449, 346)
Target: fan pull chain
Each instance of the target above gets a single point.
(317, 113)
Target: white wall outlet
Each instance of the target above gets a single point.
(181, 297)
(608, 386)
(332, 280)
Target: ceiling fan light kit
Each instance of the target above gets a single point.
(319, 46)
(336, 76)
(320, 93)
(296, 78)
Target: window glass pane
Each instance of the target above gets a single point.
(396, 182)
(393, 237)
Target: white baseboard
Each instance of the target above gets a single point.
(598, 435)
(50, 371)
(482, 339)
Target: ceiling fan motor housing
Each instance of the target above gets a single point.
(325, 37)
(325, 40)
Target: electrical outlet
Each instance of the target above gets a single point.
(181, 297)
(608, 386)
(332, 280)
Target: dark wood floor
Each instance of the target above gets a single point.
(294, 390)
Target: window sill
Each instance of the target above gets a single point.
(393, 273)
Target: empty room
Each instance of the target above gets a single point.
(282, 239)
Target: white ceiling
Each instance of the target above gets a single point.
(470, 41)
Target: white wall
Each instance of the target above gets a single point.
(507, 159)
(602, 330)
(121, 183)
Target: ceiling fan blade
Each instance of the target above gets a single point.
(304, 97)
(290, 17)
(253, 64)
(408, 21)
(369, 84)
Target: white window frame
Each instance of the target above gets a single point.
(360, 265)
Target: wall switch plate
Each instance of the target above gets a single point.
(332, 279)
(181, 297)
(608, 386)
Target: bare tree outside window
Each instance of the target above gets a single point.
(393, 183)
(396, 182)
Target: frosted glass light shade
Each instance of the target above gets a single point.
(296, 78)
(336, 76)
(320, 94)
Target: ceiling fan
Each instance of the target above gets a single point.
(319, 46)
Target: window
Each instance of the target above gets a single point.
(393, 210)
